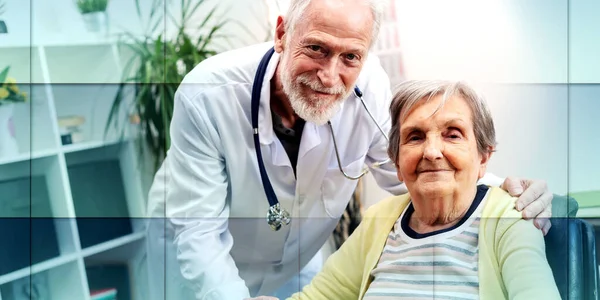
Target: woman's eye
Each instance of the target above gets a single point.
(414, 138)
(454, 134)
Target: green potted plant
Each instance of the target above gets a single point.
(156, 69)
(3, 28)
(94, 14)
(9, 96)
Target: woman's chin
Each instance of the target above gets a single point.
(434, 189)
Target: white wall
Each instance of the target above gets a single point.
(493, 41)
(522, 55)
(584, 101)
(584, 138)
(584, 41)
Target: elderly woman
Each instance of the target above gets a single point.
(448, 238)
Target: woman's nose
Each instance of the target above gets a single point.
(433, 149)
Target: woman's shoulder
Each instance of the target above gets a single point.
(500, 204)
(500, 215)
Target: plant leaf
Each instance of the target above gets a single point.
(207, 18)
(137, 8)
(4, 74)
(213, 30)
(114, 108)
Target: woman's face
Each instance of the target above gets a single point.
(438, 153)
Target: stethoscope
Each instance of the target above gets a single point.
(276, 216)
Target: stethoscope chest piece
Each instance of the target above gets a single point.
(277, 216)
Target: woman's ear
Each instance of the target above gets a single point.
(280, 35)
(485, 158)
(398, 174)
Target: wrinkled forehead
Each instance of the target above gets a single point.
(348, 18)
(454, 106)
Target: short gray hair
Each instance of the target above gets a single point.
(410, 93)
(298, 7)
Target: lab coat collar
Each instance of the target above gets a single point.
(265, 119)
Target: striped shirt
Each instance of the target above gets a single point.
(439, 265)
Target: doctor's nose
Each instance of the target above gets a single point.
(329, 75)
(433, 150)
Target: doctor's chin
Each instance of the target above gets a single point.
(299, 149)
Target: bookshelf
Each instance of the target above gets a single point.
(70, 212)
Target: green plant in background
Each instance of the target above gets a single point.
(159, 65)
(3, 28)
(2, 7)
(9, 91)
(91, 6)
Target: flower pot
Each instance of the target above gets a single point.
(8, 143)
(96, 22)
(3, 28)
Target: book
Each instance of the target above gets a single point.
(104, 294)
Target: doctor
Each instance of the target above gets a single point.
(253, 186)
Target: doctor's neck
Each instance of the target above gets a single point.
(280, 103)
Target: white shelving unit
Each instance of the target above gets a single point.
(81, 206)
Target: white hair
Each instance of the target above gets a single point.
(298, 7)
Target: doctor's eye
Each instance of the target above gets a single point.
(315, 48)
(351, 57)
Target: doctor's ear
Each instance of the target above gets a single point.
(280, 35)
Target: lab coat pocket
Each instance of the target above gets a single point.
(337, 190)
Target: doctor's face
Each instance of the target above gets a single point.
(323, 56)
(438, 154)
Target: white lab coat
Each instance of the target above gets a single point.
(210, 191)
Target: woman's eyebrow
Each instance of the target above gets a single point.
(454, 121)
(409, 129)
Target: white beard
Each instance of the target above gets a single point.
(308, 108)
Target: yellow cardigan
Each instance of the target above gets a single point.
(512, 258)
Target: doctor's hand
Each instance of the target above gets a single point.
(535, 200)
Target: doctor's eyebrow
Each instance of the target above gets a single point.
(316, 41)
